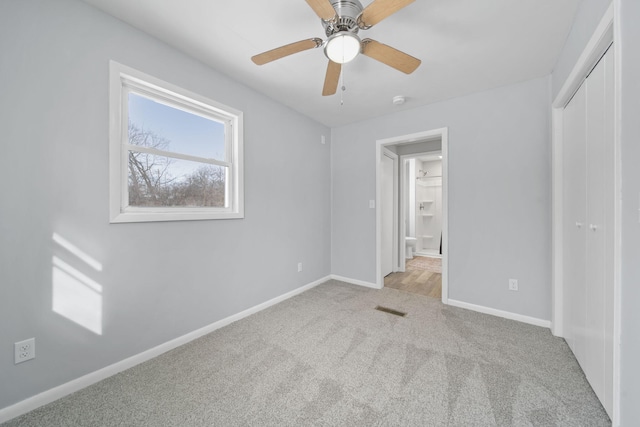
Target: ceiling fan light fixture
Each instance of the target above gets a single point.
(342, 47)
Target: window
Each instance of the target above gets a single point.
(174, 155)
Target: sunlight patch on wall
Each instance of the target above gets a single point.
(91, 262)
(76, 296)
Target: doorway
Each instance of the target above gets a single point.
(429, 151)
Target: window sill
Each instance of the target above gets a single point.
(124, 217)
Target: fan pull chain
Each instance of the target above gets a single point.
(342, 86)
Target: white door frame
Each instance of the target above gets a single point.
(430, 135)
(606, 33)
(394, 240)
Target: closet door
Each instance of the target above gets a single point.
(574, 218)
(588, 221)
(599, 281)
(608, 229)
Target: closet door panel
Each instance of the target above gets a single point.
(595, 274)
(608, 227)
(574, 218)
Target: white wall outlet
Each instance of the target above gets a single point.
(372, 204)
(513, 284)
(322, 139)
(299, 267)
(24, 350)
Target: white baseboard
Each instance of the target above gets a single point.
(72, 386)
(354, 281)
(505, 314)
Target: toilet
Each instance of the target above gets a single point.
(410, 243)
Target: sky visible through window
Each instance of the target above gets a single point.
(155, 180)
(187, 133)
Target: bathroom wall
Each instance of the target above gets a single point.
(429, 219)
(410, 184)
(432, 167)
(410, 197)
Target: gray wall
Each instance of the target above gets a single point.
(499, 194)
(591, 12)
(160, 280)
(630, 133)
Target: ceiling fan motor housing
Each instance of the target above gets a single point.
(347, 12)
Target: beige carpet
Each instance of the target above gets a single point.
(327, 358)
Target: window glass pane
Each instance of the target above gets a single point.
(156, 125)
(158, 181)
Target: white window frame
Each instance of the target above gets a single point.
(122, 81)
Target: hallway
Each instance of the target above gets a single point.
(423, 276)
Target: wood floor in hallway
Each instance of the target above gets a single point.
(422, 276)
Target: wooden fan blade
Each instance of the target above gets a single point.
(286, 50)
(322, 8)
(390, 56)
(331, 79)
(380, 9)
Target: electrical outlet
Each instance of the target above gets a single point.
(24, 350)
(299, 267)
(513, 284)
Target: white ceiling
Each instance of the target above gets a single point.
(465, 46)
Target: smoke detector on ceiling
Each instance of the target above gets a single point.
(399, 100)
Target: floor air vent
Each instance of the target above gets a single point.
(390, 311)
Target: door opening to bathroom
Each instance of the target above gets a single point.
(421, 211)
(423, 205)
(420, 257)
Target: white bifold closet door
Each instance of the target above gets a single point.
(588, 235)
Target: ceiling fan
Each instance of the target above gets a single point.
(342, 20)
